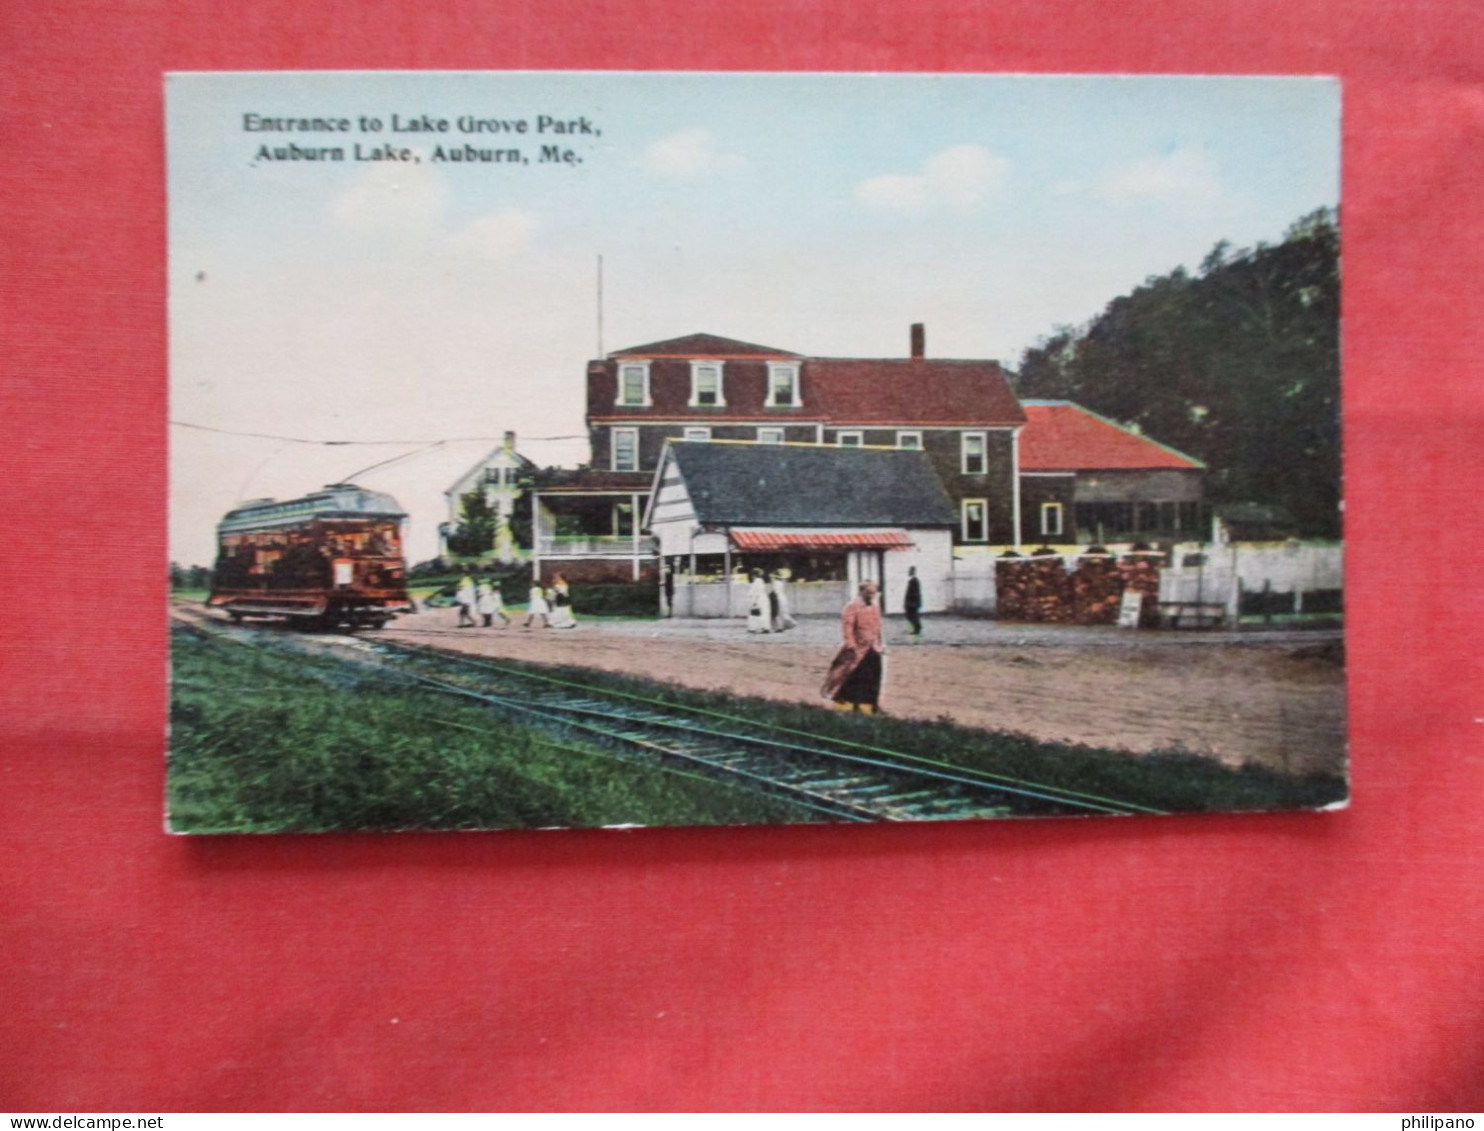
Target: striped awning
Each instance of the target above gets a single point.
(758, 540)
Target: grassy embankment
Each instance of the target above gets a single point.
(1170, 780)
(268, 742)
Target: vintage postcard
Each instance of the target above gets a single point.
(615, 449)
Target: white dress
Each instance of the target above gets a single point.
(538, 606)
(561, 608)
(489, 602)
(785, 619)
(759, 613)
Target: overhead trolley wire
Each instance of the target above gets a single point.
(355, 443)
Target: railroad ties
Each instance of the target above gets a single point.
(833, 778)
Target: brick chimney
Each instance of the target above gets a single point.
(509, 441)
(919, 340)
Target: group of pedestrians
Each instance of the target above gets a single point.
(854, 679)
(481, 597)
(767, 603)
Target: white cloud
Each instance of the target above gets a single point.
(690, 153)
(1183, 176)
(411, 202)
(960, 176)
(396, 197)
(498, 234)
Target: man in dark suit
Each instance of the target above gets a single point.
(912, 604)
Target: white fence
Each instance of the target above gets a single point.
(710, 598)
(1197, 576)
(1218, 575)
(971, 586)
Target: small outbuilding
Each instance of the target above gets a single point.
(1087, 479)
(825, 518)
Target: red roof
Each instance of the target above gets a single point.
(887, 392)
(700, 347)
(908, 391)
(765, 540)
(1062, 436)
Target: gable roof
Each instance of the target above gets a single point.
(462, 484)
(909, 391)
(1063, 436)
(701, 346)
(803, 485)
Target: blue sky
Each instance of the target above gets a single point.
(818, 213)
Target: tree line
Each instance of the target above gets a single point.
(1237, 364)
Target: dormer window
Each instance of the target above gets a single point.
(783, 385)
(705, 385)
(633, 384)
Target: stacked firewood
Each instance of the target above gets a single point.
(1033, 590)
(1040, 590)
(1097, 588)
(1140, 572)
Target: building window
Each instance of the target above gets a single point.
(847, 439)
(783, 386)
(975, 514)
(633, 384)
(770, 435)
(623, 520)
(698, 433)
(705, 385)
(626, 449)
(1051, 518)
(909, 441)
(972, 458)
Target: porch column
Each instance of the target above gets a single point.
(726, 570)
(535, 535)
(1015, 483)
(634, 526)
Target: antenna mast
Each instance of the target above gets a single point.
(600, 306)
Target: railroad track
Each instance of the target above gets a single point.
(839, 779)
(836, 778)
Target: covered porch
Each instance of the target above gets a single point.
(591, 531)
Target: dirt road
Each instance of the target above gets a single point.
(1279, 703)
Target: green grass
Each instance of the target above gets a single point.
(263, 741)
(1170, 780)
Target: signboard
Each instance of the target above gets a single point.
(1129, 607)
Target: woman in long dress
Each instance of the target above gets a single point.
(783, 618)
(465, 597)
(854, 681)
(537, 606)
(561, 604)
(489, 603)
(758, 608)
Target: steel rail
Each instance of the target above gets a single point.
(803, 799)
(832, 806)
(898, 760)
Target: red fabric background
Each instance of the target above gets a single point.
(1291, 962)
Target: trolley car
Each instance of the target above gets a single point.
(333, 558)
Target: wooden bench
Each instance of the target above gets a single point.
(1198, 614)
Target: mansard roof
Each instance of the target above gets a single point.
(702, 346)
(1064, 436)
(804, 485)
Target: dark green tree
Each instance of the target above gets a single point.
(475, 533)
(1237, 365)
